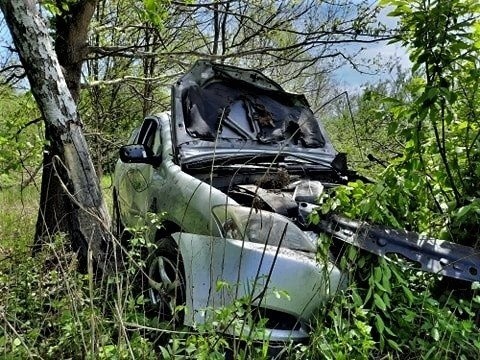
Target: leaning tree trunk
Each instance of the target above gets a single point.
(83, 215)
(71, 33)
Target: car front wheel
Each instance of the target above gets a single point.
(166, 281)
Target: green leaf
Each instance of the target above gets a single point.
(165, 353)
(379, 323)
(380, 286)
(408, 294)
(394, 345)
(379, 302)
(463, 211)
(377, 274)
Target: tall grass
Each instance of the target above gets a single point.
(49, 310)
(18, 214)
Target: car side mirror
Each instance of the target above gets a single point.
(139, 154)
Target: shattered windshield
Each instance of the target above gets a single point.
(237, 110)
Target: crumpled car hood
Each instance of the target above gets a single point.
(219, 109)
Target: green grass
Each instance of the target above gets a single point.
(106, 183)
(18, 214)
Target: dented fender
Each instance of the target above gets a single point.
(255, 270)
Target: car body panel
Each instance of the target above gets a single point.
(168, 185)
(257, 271)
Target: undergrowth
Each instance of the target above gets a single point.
(392, 311)
(50, 310)
(18, 213)
(389, 311)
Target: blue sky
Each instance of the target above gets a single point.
(351, 80)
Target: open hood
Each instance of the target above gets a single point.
(224, 111)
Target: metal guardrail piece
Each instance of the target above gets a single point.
(433, 255)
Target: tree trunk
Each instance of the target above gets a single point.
(79, 209)
(71, 41)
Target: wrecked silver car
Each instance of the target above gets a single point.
(234, 171)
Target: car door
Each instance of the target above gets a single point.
(139, 176)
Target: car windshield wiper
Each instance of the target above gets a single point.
(307, 160)
(246, 159)
(226, 159)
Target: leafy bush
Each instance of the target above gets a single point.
(21, 137)
(50, 310)
(431, 187)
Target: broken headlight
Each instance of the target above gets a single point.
(260, 226)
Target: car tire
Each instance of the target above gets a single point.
(164, 281)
